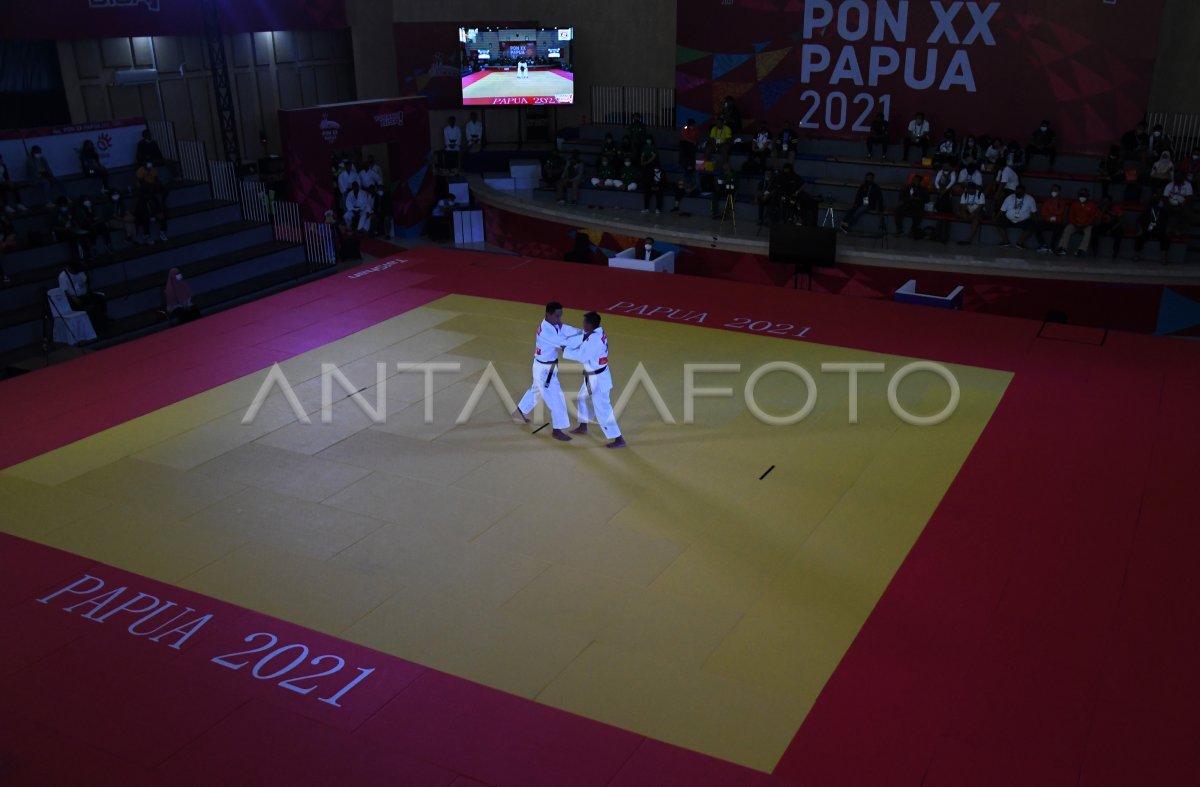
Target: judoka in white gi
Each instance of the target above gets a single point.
(552, 336)
(522, 70)
(591, 350)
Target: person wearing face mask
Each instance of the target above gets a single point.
(1152, 225)
(1160, 142)
(969, 174)
(1178, 197)
(649, 251)
(41, 176)
(1082, 216)
(1018, 210)
(992, 156)
(606, 174)
(971, 151)
(119, 215)
(943, 188)
(92, 223)
(62, 225)
(1162, 172)
(1052, 218)
(75, 285)
(786, 143)
(1041, 143)
(347, 176)
(89, 159)
(971, 208)
(912, 206)
(177, 298)
(947, 150)
(918, 134)
(654, 185)
(630, 175)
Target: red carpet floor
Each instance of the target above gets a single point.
(1041, 632)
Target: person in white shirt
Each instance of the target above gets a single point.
(1017, 210)
(970, 174)
(347, 176)
(371, 175)
(74, 284)
(917, 135)
(970, 209)
(1177, 197)
(943, 188)
(451, 144)
(552, 336)
(1005, 183)
(591, 350)
(359, 207)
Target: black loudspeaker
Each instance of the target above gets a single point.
(804, 247)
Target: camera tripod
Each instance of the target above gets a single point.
(828, 217)
(729, 211)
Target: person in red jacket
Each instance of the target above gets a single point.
(1082, 216)
(1053, 217)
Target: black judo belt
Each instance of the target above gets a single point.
(553, 365)
(587, 377)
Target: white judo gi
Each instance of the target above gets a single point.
(550, 339)
(522, 69)
(595, 394)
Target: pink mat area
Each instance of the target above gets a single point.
(1041, 631)
(471, 79)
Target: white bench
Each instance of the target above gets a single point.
(907, 293)
(635, 260)
(70, 327)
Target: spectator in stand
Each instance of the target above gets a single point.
(630, 175)
(1162, 172)
(41, 176)
(572, 177)
(732, 115)
(451, 145)
(761, 147)
(1015, 157)
(92, 222)
(947, 149)
(636, 134)
(9, 191)
(1152, 225)
(120, 216)
(1082, 217)
(868, 199)
(89, 160)
(1042, 143)
(912, 205)
(689, 138)
(1109, 224)
(552, 168)
(1018, 210)
(649, 157)
(917, 135)
(787, 142)
(1190, 167)
(1053, 217)
(878, 134)
(1136, 143)
(148, 151)
(721, 135)
(151, 202)
(1178, 198)
(80, 296)
(1111, 170)
(626, 149)
(969, 174)
(943, 188)
(992, 156)
(1160, 142)
(62, 223)
(606, 174)
(971, 152)
(972, 206)
(359, 207)
(653, 185)
(177, 299)
(1005, 183)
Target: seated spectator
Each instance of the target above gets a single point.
(148, 151)
(1109, 224)
(649, 251)
(1136, 143)
(1162, 172)
(9, 191)
(149, 206)
(731, 115)
(878, 134)
(1042, 143)
(1160, 142)
(74, 284)
(1081, 217)
(359, 207)
(992, 156)
(787, 142)
(1177, 196)
(89, 159)
(689, 138)
(868, 199)
(441, 221)
(552, 168)
(630, 175)
(177, 299)
(721, 135)
(606, 174)
(1018, 210)
(148, 182)
(572, 176)
(912, 205)
(1015, 157)
(1190, 167)
(761, 147)
(1052, 217)
(969, 174)
(971, 152)
(801, 206)
(92, 222)
(62, 222)
(972, 206)
(451, 144)
(917, 135)
(120, 216)
(1152, 225)
(947, 149)
(653, 185)
(1111, 170)
(943, 188)
(1005, 182)
(41, 176)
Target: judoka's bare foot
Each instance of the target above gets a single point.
(618, 443)
(581, 429)
(559, 434)
(519, 416)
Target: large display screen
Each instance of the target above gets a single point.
(511, 65)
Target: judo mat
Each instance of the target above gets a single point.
(506, 84)
(420, 591)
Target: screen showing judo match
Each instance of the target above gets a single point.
(508, 65)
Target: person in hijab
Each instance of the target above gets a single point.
(177, 296)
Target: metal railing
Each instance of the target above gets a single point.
(319, 245)
(285, 221)
(1183, 128)
(164, 133)
(193, 160)
(616, 104)
(223, 176)
(256, 201)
